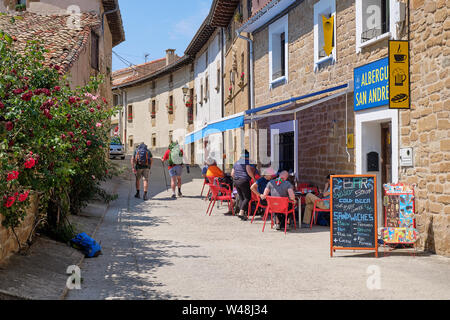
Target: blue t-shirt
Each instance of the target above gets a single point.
(262, 184)
(205, 170)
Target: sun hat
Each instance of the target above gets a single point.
(269, 172)
(210, 161)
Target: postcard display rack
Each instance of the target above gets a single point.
(400, 222)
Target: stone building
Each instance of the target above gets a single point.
(236, 75)
(80, 43)
(306, 54)
(426, 127)
(154, 97)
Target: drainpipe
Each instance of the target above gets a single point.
(252, 94)
(103, 17)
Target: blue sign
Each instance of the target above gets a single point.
(372, 85)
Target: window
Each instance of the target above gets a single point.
(375, 14)
(243, 63)
(249, 8)
(206, 88)
(377, 20)
(153, 85)
(324, 32)
(130, 141)
(201, 91)
(153, 110)
(130, 113)
(171, 80)
(219, 79)
(94, 51)
(171, 136)
(154, 140)
(278, 53)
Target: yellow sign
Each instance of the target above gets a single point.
(351, 141)
(399, 81)
(328, 32)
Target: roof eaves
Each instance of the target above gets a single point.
(201, 37)
(170, 68)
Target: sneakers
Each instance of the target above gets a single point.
(174, 196)
(179, 193)
(145, 197)
(137, 195)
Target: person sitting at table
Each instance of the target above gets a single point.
(282, 188)
(213, 170)
(260, 185)
(311, 200)
(204, 171)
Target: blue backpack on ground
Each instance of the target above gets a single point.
(87, 245)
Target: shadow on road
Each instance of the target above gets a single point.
(131, 258)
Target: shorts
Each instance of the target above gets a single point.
(176, 171)
(143, 173)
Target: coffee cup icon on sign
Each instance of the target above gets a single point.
(400, 77)
(400, 58)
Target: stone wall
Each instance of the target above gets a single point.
(322, 142)
(8, 242)
(426, 127)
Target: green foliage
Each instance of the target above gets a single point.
(54, 140)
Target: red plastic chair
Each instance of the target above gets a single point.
(317, 209)
(209, 183)
(226, 196)
(255, 199)
(203, 188)
(279, 205)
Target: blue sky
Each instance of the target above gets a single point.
(152, 26)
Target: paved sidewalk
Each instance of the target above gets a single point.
(169, 249)
(41, 273)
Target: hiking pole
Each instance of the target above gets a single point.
(165, 176)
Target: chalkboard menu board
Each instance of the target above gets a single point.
(354, 213)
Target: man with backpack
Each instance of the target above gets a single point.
(174, 156)
(142, 162)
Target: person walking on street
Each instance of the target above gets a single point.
(242, 174)
(141, 163)
(174, 157)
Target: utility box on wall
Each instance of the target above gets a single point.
(373, 162)
(406, 157)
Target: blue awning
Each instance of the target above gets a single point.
(229, 123)
(238, 120)
(277, 104)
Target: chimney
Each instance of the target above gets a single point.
(170, 56)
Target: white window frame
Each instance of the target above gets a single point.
(320, 7)
(397, 14)
(278, 27)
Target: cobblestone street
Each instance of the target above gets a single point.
(169, 249)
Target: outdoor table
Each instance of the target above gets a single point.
(299, 195)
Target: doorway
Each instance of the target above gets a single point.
(284, 146)
(287, 159)
(377, 144)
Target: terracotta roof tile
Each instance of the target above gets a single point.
(63, 42)
(139, 71)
